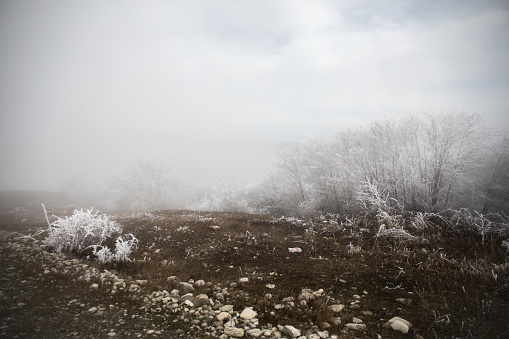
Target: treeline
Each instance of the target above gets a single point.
(426, 162)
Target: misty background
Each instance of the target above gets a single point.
(220, 88)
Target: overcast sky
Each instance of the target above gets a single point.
(218, 86)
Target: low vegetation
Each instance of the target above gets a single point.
(446, 272)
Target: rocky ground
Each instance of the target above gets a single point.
(224, 275)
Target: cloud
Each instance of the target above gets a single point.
(105, 78)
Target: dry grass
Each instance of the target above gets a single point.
(458, 279)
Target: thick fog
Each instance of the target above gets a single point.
(218, 88)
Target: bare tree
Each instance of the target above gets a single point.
(424, 162)
(496, 171)
(144, 185)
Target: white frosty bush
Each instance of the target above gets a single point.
(79, 231)
(123, 248)
(393, 233)
(87, 229)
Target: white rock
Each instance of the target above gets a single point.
(398, 324)
(186, 287)
(291, 331)
(248, 314)
(199, 283)
(243, 280)
(336, 308)
(111, 334)
(223, 316)
(94, 286)
(356, 327)
(357, 320)
(226, 308)
(234, 332)
(254, 332)
(202, 299)
(92, 309)
(404, 301)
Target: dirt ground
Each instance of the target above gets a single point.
(441, 283)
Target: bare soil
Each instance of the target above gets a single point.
(449, 279)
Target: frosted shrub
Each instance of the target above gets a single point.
(396, 233)
(88, 230)
(103, 255)
(123, 249)
(79, 231)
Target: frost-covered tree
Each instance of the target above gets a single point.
(227, 197)
(145, 184)
(425, 162)
(496, 177)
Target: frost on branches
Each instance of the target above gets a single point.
(88, 230)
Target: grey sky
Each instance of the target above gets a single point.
(86, 84)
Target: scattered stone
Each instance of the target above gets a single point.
(291, 331)
(111, 334)
(248, 314)
(226, 308)
(151, 332)
(306, 295)
(254, 332)
(92, 309)
(134, 287)
(325, 325)
(356, 320)
(215, 227)
(398, 324)
(243, 280)
(271, 286)
(199, 283)
(336, 321)
(234, 332)
(186, 287)
(189, 299)
(336, 308)
(223, 316)
(356, 327)
(202, 300)
(94, 286)
(404, 301)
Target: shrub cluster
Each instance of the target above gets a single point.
(89, 230)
